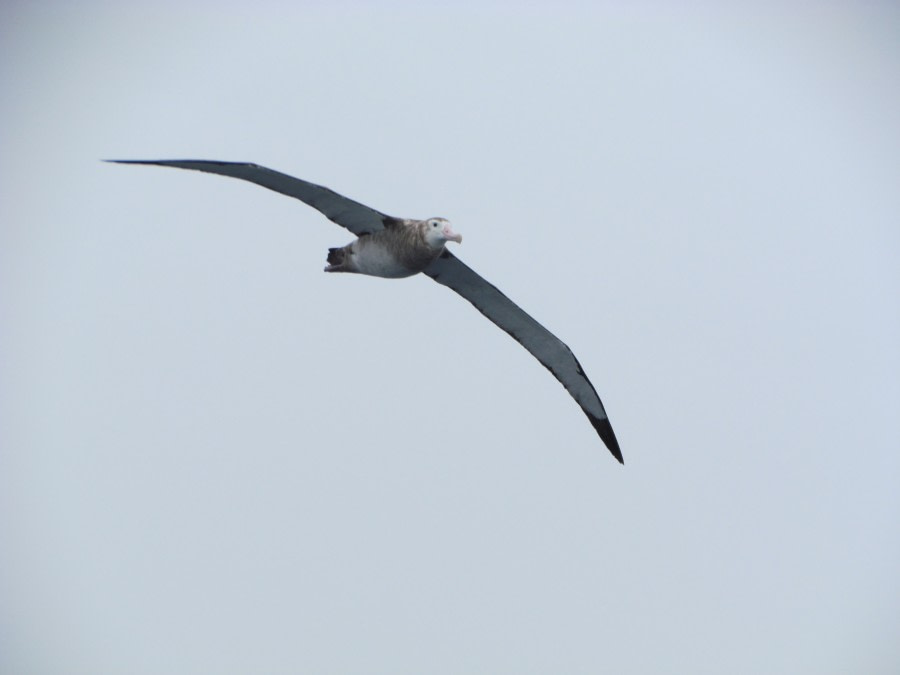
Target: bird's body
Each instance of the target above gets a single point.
(395, 247)
(403, 248)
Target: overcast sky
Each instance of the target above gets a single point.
(214, 458)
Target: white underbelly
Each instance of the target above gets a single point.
(377, 261)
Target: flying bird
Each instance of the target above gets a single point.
(397, 247)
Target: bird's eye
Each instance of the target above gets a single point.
(434, 223)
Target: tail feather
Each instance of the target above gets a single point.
(336, 256)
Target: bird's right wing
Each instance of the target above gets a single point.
(358, 218)
(543, 345)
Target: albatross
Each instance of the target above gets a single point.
(391, 247)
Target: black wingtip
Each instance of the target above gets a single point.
(606, 433)
(135, 161)
(130, 161)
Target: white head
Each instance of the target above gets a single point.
(438, 232)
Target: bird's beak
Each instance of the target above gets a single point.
(450, 235)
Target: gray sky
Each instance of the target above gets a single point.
(214, 458)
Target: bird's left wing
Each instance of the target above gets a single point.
(358, 218)
(543, 345)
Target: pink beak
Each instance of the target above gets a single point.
(450, 235)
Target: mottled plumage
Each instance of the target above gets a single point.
(393, 247)
(401, 249)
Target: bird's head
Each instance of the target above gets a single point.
(437, 232)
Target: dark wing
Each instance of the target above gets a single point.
(544, 346)
(356, 217)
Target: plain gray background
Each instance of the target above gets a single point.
(217, 459)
